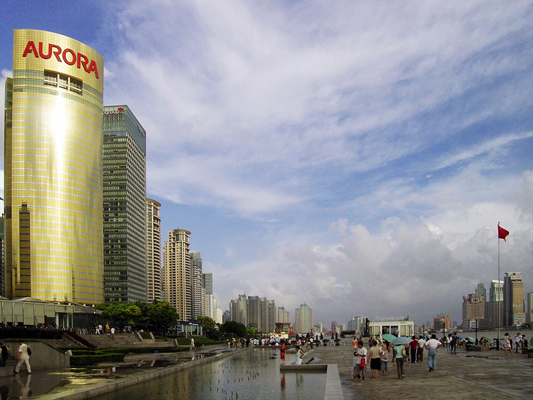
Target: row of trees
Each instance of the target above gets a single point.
(158, 315)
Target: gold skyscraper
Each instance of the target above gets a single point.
(53, 170)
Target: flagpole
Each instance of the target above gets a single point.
(497, 285)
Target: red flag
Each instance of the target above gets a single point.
(502, 233)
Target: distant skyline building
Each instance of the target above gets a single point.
(473, 311)
(124, 206)
(355, 324)
(481, 291)
(303, 319)
(53, 170)
(197, 289)
(529, 307)
(254, 312)
(494, 306)
(177, 272)
(513, 299)
(153, 251)
(284, 316)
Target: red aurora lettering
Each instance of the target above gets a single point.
(68, 56)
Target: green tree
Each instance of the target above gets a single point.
(209, 326)
(233, 328)
(162, 315)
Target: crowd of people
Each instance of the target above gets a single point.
(380, 352)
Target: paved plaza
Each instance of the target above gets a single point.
(466, 375)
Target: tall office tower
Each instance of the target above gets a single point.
(494, 305)
(3, 258)
(284, 316)
(303, 319)
(209, 302)
(197, 290)
(496, 291)
(529, 309)
(270, 323)
(513, 299)
(124, 206)
(53, 169)
(254, 312)
(481, 291)
(334, 326)
(355, 324)
(153, 251)
(177, 272)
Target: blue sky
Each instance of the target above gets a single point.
(356, 156)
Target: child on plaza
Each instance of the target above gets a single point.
(360, 361)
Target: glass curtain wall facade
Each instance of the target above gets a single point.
(153, 251)
(53, 170)
(124, 206)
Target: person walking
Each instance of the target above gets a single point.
(384, 357)
(420, 351)
(399, 358)
(5, 354)
(359, 370)
(24, 358)
(374, 359)
(413, 345)
(507, 343)
(431, 346)
(191, 347)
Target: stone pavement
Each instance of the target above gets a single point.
(485, 375)
(466, 375)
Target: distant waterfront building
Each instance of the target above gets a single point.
(124, 206)
(513, 299)
(481, 291)
(494, 305)
(473, 311)
(177, 272)
(355, 324)
(334, 327)
(303, 319)
(441, 322)
(529, 309)
(284, 316)
(53, 170)
(153, 251)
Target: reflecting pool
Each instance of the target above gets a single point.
(249, 375)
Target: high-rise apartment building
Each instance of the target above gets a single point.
(254, 312)
(53, 170)
(238, 310)
(124, 206)
(304, 319)
(177, 272)
(209, 303)
(284, 316)
(197, 290)
(153, 251)
(513, 299)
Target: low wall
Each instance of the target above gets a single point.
(42, 356)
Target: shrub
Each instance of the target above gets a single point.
(29, 333)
